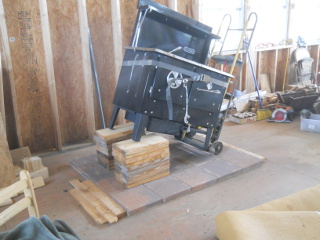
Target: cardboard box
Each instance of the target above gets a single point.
(312, 124)
(243, 120)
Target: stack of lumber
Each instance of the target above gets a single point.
(100, 206)
(140, 162)
(22, 159)
(104, 139)
(268, 102)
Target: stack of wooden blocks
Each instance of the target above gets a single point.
(104, 139)
(22, 159)
(140, 162)
(32, 164)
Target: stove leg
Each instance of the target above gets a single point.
(114, 116)
(208, 137)
(140, 123)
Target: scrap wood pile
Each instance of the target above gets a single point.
(289, 103)
(104, 139)
(255, 109)
(268, 102)
(99, 205)
(19, 159)
(251, 103)
(22, 159)
(140, 162)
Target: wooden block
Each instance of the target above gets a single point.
(143, 172)
(38, 182)
(105, 154)
(87, 206)
(119, 132)
(104, 139)
(36, 163)
(19, 154)
(137, 183)
(143, 157)
(106, 161)
(271, 97)
(140, 162)
(255, 103)
(94, 201)
(105, 198)
(44, 173)
(26, 164)
(147, 143)
(100, 143)
(32, 164)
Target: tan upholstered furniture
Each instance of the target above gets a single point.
(294, 217)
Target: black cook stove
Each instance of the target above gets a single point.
(164, 85)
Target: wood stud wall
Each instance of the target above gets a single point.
(273, 62)
(29, 83)
(100, 25)
(49, 93)
(67, 62)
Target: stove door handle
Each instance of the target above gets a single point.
(209, 91)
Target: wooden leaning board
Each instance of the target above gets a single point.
(140, 162)
(100, 206)
(104, 139)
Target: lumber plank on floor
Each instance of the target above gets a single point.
(105, 198)
(87, 206)
(96, 202)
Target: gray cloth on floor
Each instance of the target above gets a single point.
(40, 229)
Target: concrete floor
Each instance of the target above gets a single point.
(293, 164)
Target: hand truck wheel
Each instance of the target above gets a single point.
(216, 147)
